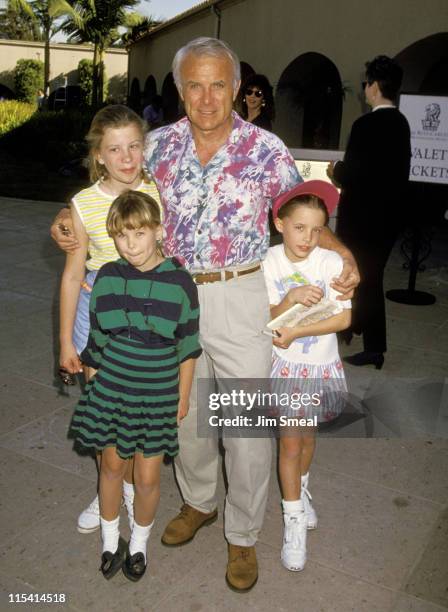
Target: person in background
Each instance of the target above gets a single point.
(373, 176)
(153, 113)
(258, 101)
(40, 98)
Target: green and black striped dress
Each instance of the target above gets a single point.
(142, 326)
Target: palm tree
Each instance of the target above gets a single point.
(97, 21)
(137, 24)
(45, 13)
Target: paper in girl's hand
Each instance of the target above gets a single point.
(306, 315)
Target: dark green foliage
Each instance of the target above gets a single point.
(15, 25)
(85, 79)
(85, 76)
(57, 136)
(28, 79)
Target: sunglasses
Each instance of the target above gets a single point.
(254, 92)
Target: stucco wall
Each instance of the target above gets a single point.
(269, 35)
(154, 55)
(64, 60)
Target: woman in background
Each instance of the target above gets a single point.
(258, 101)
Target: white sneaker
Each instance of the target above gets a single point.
(305, 496)
(294, 542)
(89, 519)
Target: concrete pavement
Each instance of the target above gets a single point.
(382, 541)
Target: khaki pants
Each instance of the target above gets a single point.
(233, 313)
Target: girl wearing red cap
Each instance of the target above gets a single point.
(305, 362)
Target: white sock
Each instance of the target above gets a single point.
(128, 490)
(139, 538)
(304, 479)
(292, 507)
(110, 534)
(128, 496)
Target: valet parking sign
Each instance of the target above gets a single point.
(428, 120)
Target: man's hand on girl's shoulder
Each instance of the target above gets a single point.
(348, 280)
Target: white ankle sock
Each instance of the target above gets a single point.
(139, 538)
(292, 507)
(110, 534)
(128, 490)
(128, 496)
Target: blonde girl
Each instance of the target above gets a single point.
(115, 141)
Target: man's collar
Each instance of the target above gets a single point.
(383, 106)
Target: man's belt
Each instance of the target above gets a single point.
(201, 278)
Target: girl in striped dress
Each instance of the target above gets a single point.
(115, 141)
(141, 352)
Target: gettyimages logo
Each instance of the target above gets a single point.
(431, 121)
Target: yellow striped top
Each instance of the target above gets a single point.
(92, 205)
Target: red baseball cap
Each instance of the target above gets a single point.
(323, 190)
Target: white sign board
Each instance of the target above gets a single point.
(428, 120)
(312, 165)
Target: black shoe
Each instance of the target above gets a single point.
(112, 562)
(134, 567)
(345, 336)
(366, 358)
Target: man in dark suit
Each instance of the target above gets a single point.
(374, 176)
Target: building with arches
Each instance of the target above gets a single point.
(312, 53)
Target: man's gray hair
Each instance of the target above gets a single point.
(205, 46)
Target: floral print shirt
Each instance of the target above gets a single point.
(216, 216)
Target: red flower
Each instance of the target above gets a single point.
(304, 373)
(326, 374)
(284, 372)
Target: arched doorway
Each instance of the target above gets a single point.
(425, 65)
(170, 99)
(149, 91)
(134, 100)
(308, 103)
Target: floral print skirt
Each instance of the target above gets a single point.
(314, 390)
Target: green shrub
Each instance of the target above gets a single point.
(85, 79)
(28, 79)
(85, 74)
(13, 114)
(56, 137)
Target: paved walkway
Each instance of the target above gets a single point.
(382, 541)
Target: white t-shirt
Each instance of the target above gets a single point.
(319, 269)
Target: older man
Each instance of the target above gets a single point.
(217, 176)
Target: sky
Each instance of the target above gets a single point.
(166, 8)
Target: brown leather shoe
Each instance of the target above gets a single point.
(242, 568)
(184, 526)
